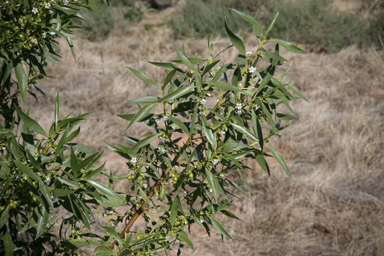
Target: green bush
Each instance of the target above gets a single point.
(198, 18)
(315, 22)
(318, 24)
(100, 23)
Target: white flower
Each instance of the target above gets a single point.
(32, 85)
(165, 118)
(19, 176)
(39, 174)
(203, 101)
(47, 5)
(34, 10)
(110, 212)
(47, 180)
(252, 69)
(239, 105)
(239, 112)
(210, 190)
(167, 238)
(156, 120)
(34, 40)
(50, 11)
(215, 162)
(191, 218)
(174, 127)
(145, 185)
(133, 160)
(222, 133)
(161, 138)
(249, 53)
(44, 35)
(171, 102)
(201, 221)
(65, 2)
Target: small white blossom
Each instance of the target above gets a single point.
(65, 2)
(134, 160)
(210, 190)
(201, 221)
(31, 85)
(34, 40)
(239, 112)
(174, 127)
(167, 238)
(215, 162)
(39, 174)
(191, 218)
(50, 11)
(200, 113)
(203, 101)
(19, 176)
(165, 118)
(171, 102)
(239, 105)
(34, 10)
(47, 5)
(145, 185)
(252, 69)
(161, 138)
(249, 53)
(110, 212)
(156, 120)
(222, 133)
(44, 35)
(47, 180)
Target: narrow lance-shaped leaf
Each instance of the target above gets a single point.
(184, 237)
(32, 124)
(22, 80)
(245, 131)
(235, 40)
(143, 77)
(280, 160)
(142, 112)
(174, 209)
(186, 61)
(297, 91)
(57, 105)
(220, 228)
(208, 132)
(249, 19)
(289, 46)
(145, 141)
(272, 23)
(178, 93)
(42, 222)
(103, 189)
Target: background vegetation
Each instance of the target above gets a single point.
(334, 206)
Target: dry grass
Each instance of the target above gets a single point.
(333, 206)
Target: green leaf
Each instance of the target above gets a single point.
(257, 129)
(57, 105)
(186, 61)
(178, 93)
(230, 214)
(180, 124)
(281, 161)
(143, 77)
(220, 228)
(230, 87)
(94, 173)
(235, 40)
(257, 31)
(249, 19)
(113, 233)
(79, 243)
(272, 55)
(104, 189)
(285, 117)
(245, 131)
(145, 198)
(109, 201)
(32, 124)
(192, 60)
(103, 251)
(166, 66)
(174, 209)
(8, 244)
(146, 99)
(297, 91)
(184, 237)
(269, 116)
(42, 222)
(142, 112)
(25, 169)
(4, 216)
(263, 164)
(234, 146)
(271, 25)
(212, 180)
(289, 46)
(83, 148)
(208, 132)
(68, 182)
(22, 80)
(145, 141)
(168, 79)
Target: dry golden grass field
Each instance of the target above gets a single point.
(335, 203)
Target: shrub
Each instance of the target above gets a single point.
(44, 171)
